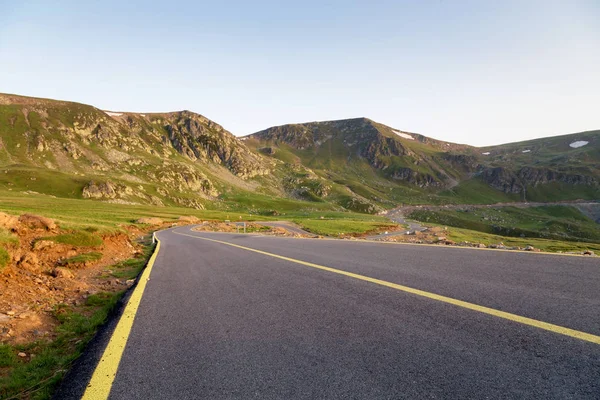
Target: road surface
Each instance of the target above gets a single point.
(285, 318)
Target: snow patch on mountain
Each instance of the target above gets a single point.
(579, 143)
(113, 114)
(403, 135)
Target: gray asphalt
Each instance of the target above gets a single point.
(218, 322)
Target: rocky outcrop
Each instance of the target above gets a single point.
(314, 134)
(502, 179)
(380, 148)
(183, 178)
(359, 138)
(118, 193)
(464, 162)
(536, 176)
(198, 138)
(102, 190)
(307, 187)
(414, 177)
(514, 182)
(189, 203)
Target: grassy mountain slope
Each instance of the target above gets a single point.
(547, 169)
(181, 158)
(74, 150)
(386, 166)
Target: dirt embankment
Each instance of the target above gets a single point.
(46, 267)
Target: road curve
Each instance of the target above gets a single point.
(223, 322)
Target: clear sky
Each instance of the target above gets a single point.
(478, 72)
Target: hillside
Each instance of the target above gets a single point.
(74, 150)
(385, 165)
(561, 167)
(181, 158)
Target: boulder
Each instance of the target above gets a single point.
(29, 261)
(100, 190)
(40, 245)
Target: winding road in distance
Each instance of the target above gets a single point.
(234, 316)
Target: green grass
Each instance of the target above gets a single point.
(36, 378)
(77, 239)
(258, 204)
(79, 214)
(465, 235)
(89, 218)
(81, 259)
(4, 258)
(27, 178)
(7, 238)
(475, 191)
(131, 268)
(342, 227)
(547, 222)
(557, 191)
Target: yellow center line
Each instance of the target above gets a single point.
(449, 300)
(104, 375)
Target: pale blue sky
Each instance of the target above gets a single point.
(477, 72)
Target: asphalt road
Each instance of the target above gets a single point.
(221, 322)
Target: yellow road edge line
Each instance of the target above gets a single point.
(104, 375)
(449, 300)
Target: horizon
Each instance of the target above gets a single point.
(479, 74)
(298, 123)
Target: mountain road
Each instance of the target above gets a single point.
(246, 316)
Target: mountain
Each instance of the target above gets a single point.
(368, 157)
(75, 150)
(561, 167)
(181, 158)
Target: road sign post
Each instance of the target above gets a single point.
(242, 224)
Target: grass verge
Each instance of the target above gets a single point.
(554, 246)
(342, 227)
(559, 223)
(36, 375)
(4, 258)
(81, 259)
(77, 239)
